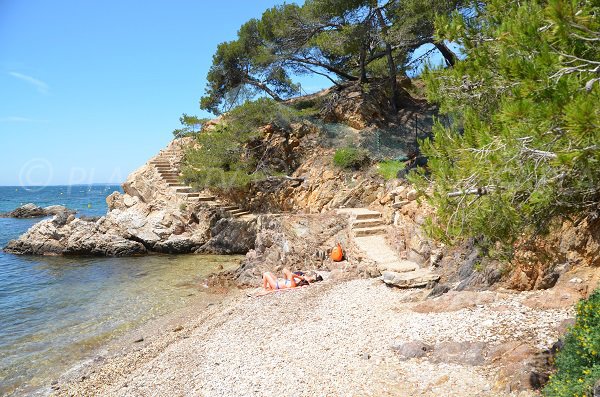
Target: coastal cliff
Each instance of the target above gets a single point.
(150, 216)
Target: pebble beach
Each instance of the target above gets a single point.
(335, 338)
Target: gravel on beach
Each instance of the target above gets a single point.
(329, 339)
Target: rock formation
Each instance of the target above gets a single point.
(31, 210)
(152, 215)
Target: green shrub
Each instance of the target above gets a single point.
(351, 158)
(234, 154)
(388, 169)
(578, 363)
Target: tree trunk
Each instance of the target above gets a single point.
(448, 55)
(391, 63)
(325, 66)
(263, 87)
(363, 65)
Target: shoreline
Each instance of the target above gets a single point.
(334, 338)
(164, 329)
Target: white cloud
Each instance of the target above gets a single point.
(38, 84)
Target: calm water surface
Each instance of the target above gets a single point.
(54, 311)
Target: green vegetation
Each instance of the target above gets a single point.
(351, 158)
(524, 147)
(191, 125)
(235, 153)
(350, 40)
(578, 363)
(388, 169)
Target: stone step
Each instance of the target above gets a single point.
(373, 215)
(184, 189)
(415, 278)
(360, 213)
(367, 223)
(206, 198)
(175, 184)
(398, 266)
(229, 207)
(369, 231)
(166, 174)
(237, 211)
(239, 214)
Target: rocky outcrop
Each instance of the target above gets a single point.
(72, 236)
(540, 261)
(300, 242)
(33, 211)
(360, 105)
(149, 217)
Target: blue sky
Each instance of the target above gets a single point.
(90, 89)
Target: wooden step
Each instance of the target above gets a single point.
(230, 208)
(237, 211)
(369, 231)
(367, 223)
(175, 184)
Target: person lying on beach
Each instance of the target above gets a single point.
(290, 280)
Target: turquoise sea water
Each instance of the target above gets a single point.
(55, 310)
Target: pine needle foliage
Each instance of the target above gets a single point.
(524, 147)
(235, 153)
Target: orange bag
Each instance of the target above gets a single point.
(337, 254)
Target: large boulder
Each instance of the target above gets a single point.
(73, 237)
(231, 236)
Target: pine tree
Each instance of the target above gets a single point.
(523, 147)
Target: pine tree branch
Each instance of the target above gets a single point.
(480, 191)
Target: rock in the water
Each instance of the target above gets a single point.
(31, 210)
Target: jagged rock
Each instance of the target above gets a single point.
(31, 210)
(438, 290)
(178, 245)
(231, 236)
(77, 237)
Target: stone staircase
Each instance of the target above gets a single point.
(167, 164)
(369, 231)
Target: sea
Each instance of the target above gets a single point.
(55, 311)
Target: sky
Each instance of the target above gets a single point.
(90, 89)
